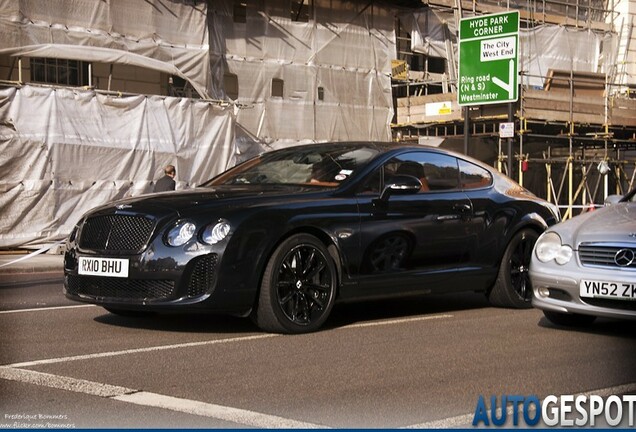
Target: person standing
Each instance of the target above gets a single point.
(166, 183)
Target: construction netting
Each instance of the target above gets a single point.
(333, 72)
(168, 36)
(541, 48)
(65, 151)
(296, 80)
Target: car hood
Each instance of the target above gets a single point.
(616, 223)
(198, 199)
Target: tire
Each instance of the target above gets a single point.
(512, 289)
(569, 320)
(298, 288)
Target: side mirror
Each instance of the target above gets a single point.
(612, 199)
(401, 185)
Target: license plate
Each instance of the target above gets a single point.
(603, 289)
(112, 267)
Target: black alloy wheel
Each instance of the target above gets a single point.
(512, 287)
(298, 287)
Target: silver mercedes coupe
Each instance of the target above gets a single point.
(585, 267)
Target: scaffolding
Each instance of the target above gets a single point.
(575, 131)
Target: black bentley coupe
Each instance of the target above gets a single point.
(283, 236)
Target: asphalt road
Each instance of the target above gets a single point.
(420, 362)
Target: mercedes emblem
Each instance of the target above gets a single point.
(624, 257)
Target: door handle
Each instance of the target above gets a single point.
(462, 208)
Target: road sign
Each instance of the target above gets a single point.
(488, 58)
(507, 130)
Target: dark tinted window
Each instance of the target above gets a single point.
(473, 176)
(436, 172)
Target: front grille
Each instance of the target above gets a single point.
(629, 305)
(600, 255)
(111, 233)
(203, 276)
(119, 289)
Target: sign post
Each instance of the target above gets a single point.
(488, 59)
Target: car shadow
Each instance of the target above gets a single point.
(343, 314)
(601, 326)
(404, 307)
(181, 322)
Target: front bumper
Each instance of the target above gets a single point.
(564, 296)
(148, 284)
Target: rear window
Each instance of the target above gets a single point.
(473, 176)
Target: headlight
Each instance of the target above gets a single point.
(549, 247)
(180, 234)
(214, 233)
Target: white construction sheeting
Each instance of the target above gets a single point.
(346, 49)
(541, 48)
(561, 48)
(63, 152)
(167, 36)
(431, 31)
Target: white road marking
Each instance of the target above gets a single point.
(62, 382)
(138, 397)
(219, 412)
(467, 419)
(140, 350)
(208, 342)
(15, 372)
(229, 414)
(397, 321)
(46, 309)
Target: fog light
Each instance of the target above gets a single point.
(544, 292)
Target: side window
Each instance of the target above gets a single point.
(373, 185)
(473, 176)
(437, 172)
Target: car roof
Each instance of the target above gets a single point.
(387, 146)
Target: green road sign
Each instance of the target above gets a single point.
(488, 57)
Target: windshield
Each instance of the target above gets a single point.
(325, 166)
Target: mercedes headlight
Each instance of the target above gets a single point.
(214, 233)
(550, 247)
(180, 233)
